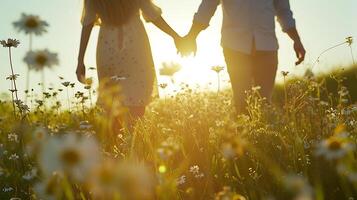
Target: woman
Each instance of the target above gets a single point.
(124, 57)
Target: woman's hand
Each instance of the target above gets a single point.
(81, 68)
(81, 72)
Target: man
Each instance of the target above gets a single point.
(249, 41)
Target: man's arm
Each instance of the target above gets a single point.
(298, 46)
(200, 22)
(203, 16)
(288, 25)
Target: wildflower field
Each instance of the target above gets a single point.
(190, 145)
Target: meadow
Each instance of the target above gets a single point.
(188, 146)
(191, 145)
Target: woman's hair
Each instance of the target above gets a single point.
(113, 12)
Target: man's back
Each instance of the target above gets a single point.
(245, 21)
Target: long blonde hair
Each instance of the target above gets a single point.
(112, 12)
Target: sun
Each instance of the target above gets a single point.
(196, 70)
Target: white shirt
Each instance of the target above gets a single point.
(245, 21)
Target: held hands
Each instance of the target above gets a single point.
(186, 45)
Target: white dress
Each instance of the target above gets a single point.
(124, 56)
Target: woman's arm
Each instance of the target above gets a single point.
(162, 25)
(152, 13)
(85, 35)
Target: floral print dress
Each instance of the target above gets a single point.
(124, 56)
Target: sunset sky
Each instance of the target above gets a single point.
(321, 23)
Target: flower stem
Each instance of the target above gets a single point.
(353, 58)
(30, 42)
(218, 83)
(13, 75)
(13, 100)
(285, 95)
(27, 83)
(43, 81)
(28, 69)
(322, 53)
(90, 97)
(69, 104)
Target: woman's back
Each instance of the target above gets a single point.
(123, 48)
(113, 12)
(117, 12)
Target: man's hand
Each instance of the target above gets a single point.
(300, 52)
(179, 44)
(298, 46)
(81, 72)
(188, 44)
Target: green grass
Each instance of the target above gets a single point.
(275, 152)
(347, 76)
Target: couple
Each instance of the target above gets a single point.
(124, 55)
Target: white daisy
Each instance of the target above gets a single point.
(129, 180)
(31, 24)
(195, 171)
(169, 69)
(69, 154)
(13, 137)
(10, 43)
(217, 68)
(38, 60)
(14, 156)
(334, 147)
(181, 180)
(7, 189)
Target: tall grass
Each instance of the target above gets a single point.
(193, 146)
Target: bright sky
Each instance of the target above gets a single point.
(321, 23)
